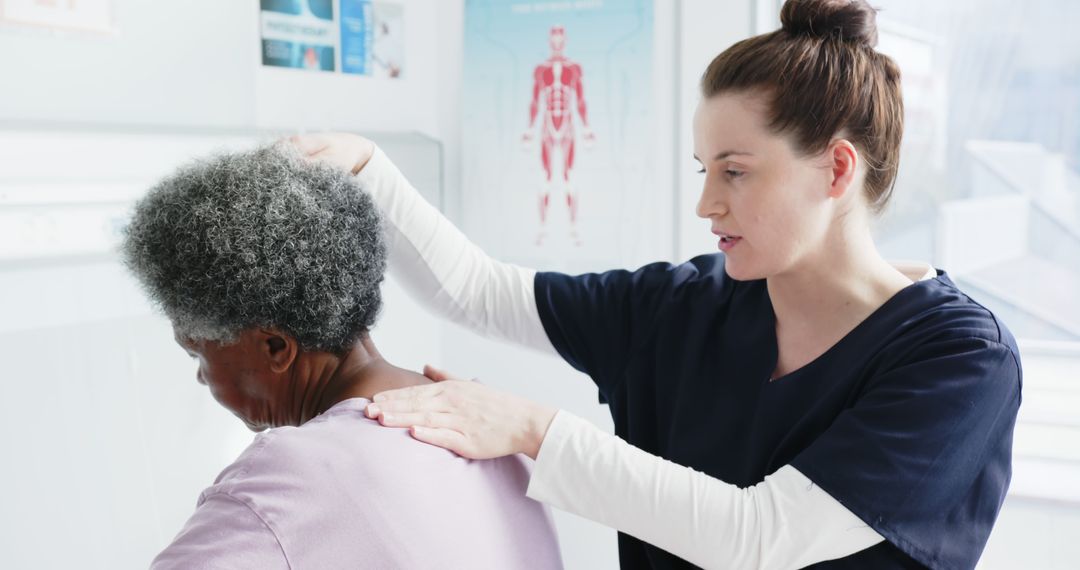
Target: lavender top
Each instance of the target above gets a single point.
(341, 491)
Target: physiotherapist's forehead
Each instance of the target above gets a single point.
(728, 122)
(732, 113)
(714, 133)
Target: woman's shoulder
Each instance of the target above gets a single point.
(935, 322)
(701, 275)
(340, 442)
(941, 310)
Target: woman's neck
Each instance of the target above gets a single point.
(359, 373)
(827, 294)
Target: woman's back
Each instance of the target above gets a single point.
(342, 491)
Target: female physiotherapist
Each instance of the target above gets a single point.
(794, 400)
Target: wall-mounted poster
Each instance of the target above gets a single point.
(558, 127)
(388, 44)
(299, 34)
(356, 37)
(372, 38)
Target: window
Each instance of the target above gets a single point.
(989, 185)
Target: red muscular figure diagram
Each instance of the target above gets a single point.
(556, 85)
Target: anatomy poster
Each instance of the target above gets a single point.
(558, 126)
(299, 34)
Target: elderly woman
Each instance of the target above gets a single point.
(269, 269)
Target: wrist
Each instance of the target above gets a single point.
(538, 423)
(367, 151)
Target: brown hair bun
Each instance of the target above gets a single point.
(847, 20)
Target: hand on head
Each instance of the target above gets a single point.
(344, 150)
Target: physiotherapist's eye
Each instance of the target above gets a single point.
(734, 173)
(701, 170)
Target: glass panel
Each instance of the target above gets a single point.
(989, 188)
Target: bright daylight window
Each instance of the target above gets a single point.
(989, 185)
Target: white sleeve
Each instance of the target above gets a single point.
(446, 272)
(783, 522)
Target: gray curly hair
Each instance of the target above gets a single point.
(260, 239)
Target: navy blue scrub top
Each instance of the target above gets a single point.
(907, 421)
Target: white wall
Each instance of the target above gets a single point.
(706, 29)
(107, 439)
(1040, 519)
(111, 439)
(1034, 534)
(195, 64)
(449, 37)
(136, 75)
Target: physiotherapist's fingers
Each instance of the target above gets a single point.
(444, 438)
(415, 393)
(433, 399)
(435, 374)
(429, 405)
(423, 419)
(308, 144)
(440, 375)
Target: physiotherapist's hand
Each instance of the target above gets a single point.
(468, 418)
(343, 150)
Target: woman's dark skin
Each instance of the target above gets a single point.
(267, 380)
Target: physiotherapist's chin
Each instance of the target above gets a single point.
(740, 271)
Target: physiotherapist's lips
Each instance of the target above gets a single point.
(727, 241)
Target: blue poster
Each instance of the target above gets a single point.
(356, 36)
(558, 127)
(298, 34)
(372, 38)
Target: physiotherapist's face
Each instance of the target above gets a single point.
(769, 204)
(237, 378)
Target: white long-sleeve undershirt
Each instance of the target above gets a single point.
(446, 272)
(783, 522)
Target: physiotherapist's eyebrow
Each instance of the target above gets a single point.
(725, 154)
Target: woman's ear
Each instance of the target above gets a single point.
(279, 349)
(844, 162)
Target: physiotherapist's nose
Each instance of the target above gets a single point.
(711, 203)
(199, 377)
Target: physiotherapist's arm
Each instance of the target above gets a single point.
(223, 533)
(446, 272)
(783, 522)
